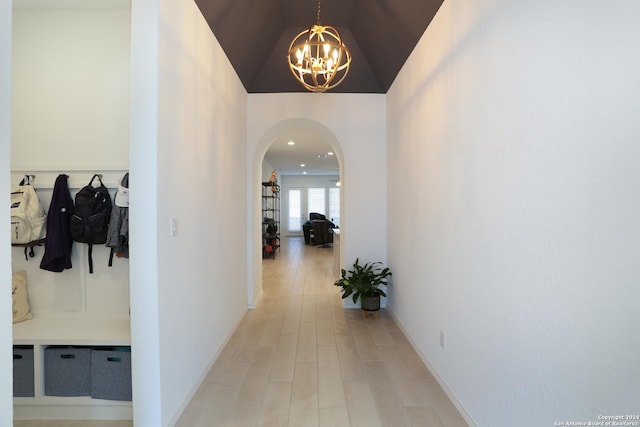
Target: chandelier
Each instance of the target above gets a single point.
(318, 58)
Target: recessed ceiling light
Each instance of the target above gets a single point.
(304, 173)
(291, 143)
(322, 156)
(302, 165)
(330, 153)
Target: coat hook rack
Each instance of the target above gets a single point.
(28, 179)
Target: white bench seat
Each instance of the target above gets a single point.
(72, 329)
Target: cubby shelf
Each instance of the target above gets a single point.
(73, 330)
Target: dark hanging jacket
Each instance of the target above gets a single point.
(57, 247)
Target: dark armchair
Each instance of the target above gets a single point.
(322, 234)
(320, 227)
(307, 227)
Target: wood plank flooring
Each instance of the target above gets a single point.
(299, 359)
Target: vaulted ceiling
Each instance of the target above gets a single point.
(255, 35)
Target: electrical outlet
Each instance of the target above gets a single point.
(442, 341)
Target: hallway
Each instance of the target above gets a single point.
(300, 359)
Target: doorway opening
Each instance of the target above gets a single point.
(307, 160)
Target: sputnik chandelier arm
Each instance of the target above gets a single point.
(318, 58)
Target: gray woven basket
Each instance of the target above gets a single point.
(370, 303)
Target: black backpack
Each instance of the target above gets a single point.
(90, 219)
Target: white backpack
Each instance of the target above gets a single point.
(28, 218)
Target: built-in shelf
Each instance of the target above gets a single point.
(69, 329)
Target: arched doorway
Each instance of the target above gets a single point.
(296, 126)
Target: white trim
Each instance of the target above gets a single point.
(436, 375)
(194, 391)
(258, 300)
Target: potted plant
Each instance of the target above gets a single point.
(272, 227)
(363, 282)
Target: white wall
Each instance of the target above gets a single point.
(6, 359)
(70, 91)
(513, 207)
(201, 182)
(143, 222)
(306, 181)
(354, 124)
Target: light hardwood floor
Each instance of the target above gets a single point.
(300, 359)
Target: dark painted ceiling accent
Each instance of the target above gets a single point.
(255, 35)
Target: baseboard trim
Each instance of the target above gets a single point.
(200, 381)
(254, 304)
(435, 374)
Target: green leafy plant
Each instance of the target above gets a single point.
(364, 280)
(272, 226)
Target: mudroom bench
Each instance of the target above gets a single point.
(36, 344)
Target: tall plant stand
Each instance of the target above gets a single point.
(270, 219)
